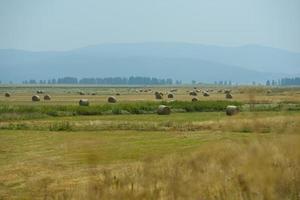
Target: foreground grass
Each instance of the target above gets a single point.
(181, 156)
(29, 157)
(148, 165)
(253, 169)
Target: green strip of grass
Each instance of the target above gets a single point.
(118, 108)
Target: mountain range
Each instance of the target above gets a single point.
(180, 61)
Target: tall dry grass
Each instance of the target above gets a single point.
(265, 169)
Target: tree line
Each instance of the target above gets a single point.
(284, 82)
(290, 81)
(133, 80)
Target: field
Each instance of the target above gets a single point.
(59, 150)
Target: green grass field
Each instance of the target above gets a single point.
(58, 150)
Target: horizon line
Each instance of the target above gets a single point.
(153, 42)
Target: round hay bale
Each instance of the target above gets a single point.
(118, 94)
(81, 93)
(228, 96)
(198, 91)
(35, 98)
(205, 94)
(163, 110)
(232, 110)
(84, 102)
(111, 99)
(7, 94)
(173, 90)
(158, 95)
(194, 99)
(93, 93)
(47, 97)
(170, 96)
(227, 91)
(193, 93)
(269, 91)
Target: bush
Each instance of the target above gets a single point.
(60, 126)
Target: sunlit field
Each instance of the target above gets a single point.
(56, 149)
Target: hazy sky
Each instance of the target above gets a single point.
(68, 24)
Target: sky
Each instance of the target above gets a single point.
(67, 24)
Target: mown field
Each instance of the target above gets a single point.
(59, 150)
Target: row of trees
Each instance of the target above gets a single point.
(223, 83)
(290, 81)
(133, 80)
(284, 82)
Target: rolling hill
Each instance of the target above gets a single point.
(183, 61)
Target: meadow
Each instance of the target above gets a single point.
(59, 150)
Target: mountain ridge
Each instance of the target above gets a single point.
(191, 61)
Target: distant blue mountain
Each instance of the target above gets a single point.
(181, 61)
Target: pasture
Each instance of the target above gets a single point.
(56, 149)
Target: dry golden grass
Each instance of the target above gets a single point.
(261, 168)
(231, 158)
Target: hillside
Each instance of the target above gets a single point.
(165, 60)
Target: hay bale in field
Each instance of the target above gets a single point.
(81, 93)
(228, 96)
(232, 110)
(193, 93)
(194, 99)
(205, 94)
(7, 94)
(170, 96)
(84, 102)
(158, 95)
(173, 90)
(39, 91)
(35, 98)
(269, 91)
(93, 93)
(111, 99)
(47, 97)
(163, 110)
(227, 91)
(198, 90)
(118, 94)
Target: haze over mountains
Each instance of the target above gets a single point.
(181, 61)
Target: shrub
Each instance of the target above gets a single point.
(60, 126)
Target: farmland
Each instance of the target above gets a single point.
(56, 149)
